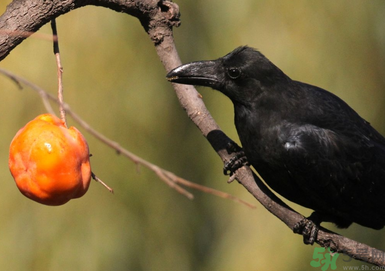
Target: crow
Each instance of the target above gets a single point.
(306, 143)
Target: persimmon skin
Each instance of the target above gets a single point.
(50, 163)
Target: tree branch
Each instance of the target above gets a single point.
(27, 17)
(158, 17)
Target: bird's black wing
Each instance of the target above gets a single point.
(341, 160)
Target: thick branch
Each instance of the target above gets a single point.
(158, 17)
(22, 18)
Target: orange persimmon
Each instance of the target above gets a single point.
(50, 163)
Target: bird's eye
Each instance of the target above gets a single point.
(234, 73)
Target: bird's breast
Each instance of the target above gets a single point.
(260, 137)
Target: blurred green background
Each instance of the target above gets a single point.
(115, 81)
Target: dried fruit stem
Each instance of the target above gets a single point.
(59, 72)
(96, 178)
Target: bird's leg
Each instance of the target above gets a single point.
(237, 161)
(308, 227)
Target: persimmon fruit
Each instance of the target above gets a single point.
(50, 162)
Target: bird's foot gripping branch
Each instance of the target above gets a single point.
(308, 228)
(238, 160)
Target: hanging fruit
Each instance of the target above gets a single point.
(49, 162)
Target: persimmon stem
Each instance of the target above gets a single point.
(96, 178)
(59, 72)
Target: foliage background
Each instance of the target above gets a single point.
(114, 80)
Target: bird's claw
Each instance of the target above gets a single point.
(308, 229)
(237, 161)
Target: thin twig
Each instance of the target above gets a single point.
(97, 179)
(56, 52)
(208, 190)
(19, 81)
(169, 178)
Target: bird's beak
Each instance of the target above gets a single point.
(200, 73)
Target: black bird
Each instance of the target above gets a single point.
(306, 143)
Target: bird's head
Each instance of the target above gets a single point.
(242, 75)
